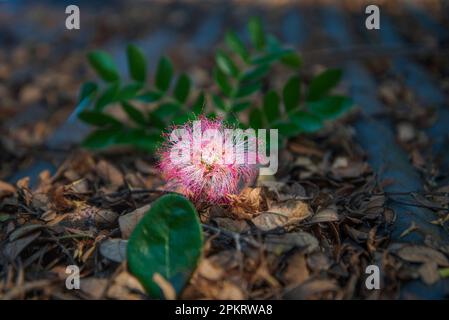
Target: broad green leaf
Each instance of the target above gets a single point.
(164, 74)
(88, 89)
(236, 45)
(99, 119)
(255, 119)
(136, 63)
(129, 92)
(330, 107)
(134, 114)
(307, 122)
(103, 65)
(101, 138)
(222, 81)
(199, 104)
(248, 89)
(107, 97)
(182, 88)
(225, 64)
(323, 83)
(168, 241)
(271, 103)
(150, 96)
(292, 93)
(292, 60)
(255, 74)
(256, 33)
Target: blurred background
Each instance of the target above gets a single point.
(401, 70)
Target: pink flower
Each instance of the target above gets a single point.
(208, 161)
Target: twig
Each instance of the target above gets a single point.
(232, 235)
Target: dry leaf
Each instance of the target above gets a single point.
(325, 215)
(13, 249)
(208, 270)
(94, 287)
(423, 254)
(114, 249)
(310, 288)
(109, 173)
(6, 189)
(279, 243)
(296, 271)
(429, 273)
(166, 287)
(129, 221)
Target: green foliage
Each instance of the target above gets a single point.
(168, 241)
(242, 87)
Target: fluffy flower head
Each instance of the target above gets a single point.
(207, 160)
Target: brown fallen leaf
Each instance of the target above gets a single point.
(248, 203)
(209, 270)
(296, 271)
(13, 249)
(166, 287)
(423, 254)
(126, 287)
(95, 288)
(324, 215)
(311, 288)
(280, 243)
(114, 249)
(6, 189)
(109, 173)
(429, 273)
(128, 222)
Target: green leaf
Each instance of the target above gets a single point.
(256, 33)
(305, 121)
(271, 57)
(138, 138)
(150, 96)
(254, 74)
(134, 114)
(255, 119)
(222, 82)
(168, 241)
(330, 107)
(199, 104)
(240, 106)
(156, 121)
(288, 129)
(236, 45)
(129, 92)
(101, 138)
(103, 65)
(219, 103)
(99, 119)
(108, 96)
(88, 89)
(292, 60)
(164, 74)
(292, 93)
(271, 103)
(225, 63)
(323, 83)
(136, 63)
(248, 89)
(167, 110)
(182, 88)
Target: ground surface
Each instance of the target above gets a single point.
(371, 188)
